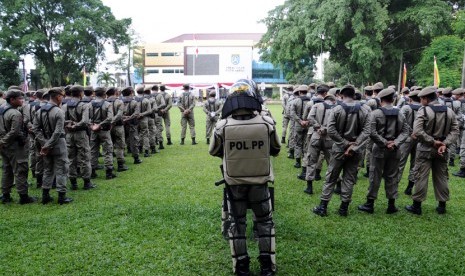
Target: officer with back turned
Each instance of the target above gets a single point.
(348, 126)
(389, 130)
(50, 133)
(437, 129)
(14, 149)
(245, 140)
(76, 126)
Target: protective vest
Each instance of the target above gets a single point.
(44, 120)
(437, 109)
(415, 108)
(33, 107)
(3, 127)
(97, 112)
(448, 102)
(72, 106)
(352, 111)
(391, 119)
(247, 151)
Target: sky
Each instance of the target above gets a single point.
(156, 21)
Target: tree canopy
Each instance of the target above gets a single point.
(63, 36)
(367, 37)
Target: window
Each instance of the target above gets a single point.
(152, 71)
(167, 71)
(152, 54)
(179, 71)
(171, 54)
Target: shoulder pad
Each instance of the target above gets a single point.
(268, 120)
(415, 106)
(328, 106)
(47, 107)
(221, 124)
(85, 100)
(315, 101)
(127, 100)
(97, 104)
(4, 109)
(139, 100)
(390, 112)
(111, 100)
(438, 108)
(72, 103)
(351, 109)
(34, 103)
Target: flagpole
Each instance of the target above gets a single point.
(400, 74)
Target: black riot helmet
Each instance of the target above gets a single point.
(243, 94)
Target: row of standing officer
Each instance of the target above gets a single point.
(340, 130)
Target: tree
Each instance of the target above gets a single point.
(64, 36)
(9, 74)
(449, 54)
(124, 61)
(366, 37)
(106, 78)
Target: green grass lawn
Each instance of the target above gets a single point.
(163, 218)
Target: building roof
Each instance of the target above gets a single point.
(255, 37)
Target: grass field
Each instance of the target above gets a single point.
(163, 218)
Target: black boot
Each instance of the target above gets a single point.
(26, 199)
(182, 141)
(368, 207)
(266, 266)
(193, 141)
(74, 185)
(343, 209)
(297, 163)
(137, 160)
(460, 173)
(283, 140)
(415, 208)
(391, 209)
(93, 174)
(153, 150)
(121, 167)
(208, 141)
(46, 198)
(62, 199)
(6, 198)
(318, 175)
(291, 154)
(146, 154)
(321, 209)
(110, 174)
(451, 162)
(161, 145)
(309, 189)
(338, 190)
(169, 141)
(88, 185)
(408, 190)
(302, 175)
(242, 266)
(441, 209)
(39, 179)
(367, 174)
(54, 183)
